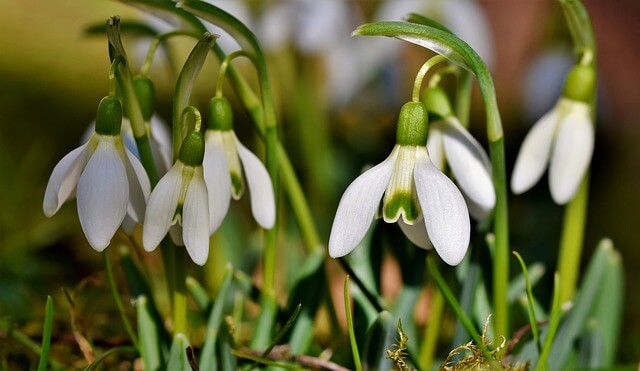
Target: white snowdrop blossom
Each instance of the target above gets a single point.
(107, 179)
(564, 138)
(428, 207)
(450, 142)
(180, 200)
(225, 158)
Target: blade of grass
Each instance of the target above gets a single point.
(116, 298)
(46, 335)
(553, 325)
(532, 314)
(352, 335)
(103, 356)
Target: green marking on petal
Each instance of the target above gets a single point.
(237, 184)
(401, 204)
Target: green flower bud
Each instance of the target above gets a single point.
(192, 149)
(580, 84)
(220, 114)
(437, 103)
(146, 95)
(109, 116)
(412, 125)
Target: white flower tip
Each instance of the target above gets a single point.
(199, 256)
(148, 242)
(98, 243)
(562, 193)
(337, 250)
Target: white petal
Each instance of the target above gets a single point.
(64, 179)
(262, 199)
(128, 225)
(161, 207)
(127, 137)
(469, 164)
(139, 187)
(103, 193)
(534, 153)
(572, 153)
(195, 219)
(434, 144)
(445, 212)
(216, 176)
(161, 144)
(416, 233)
(358, 206)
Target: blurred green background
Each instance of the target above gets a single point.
(52, 76)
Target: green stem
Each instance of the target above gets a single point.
(572, 239)
(417, 85)
(146, 66)
(428, 348)
(116, 298)
(113, 82)
(131, 104)
(223, 69)
(501, 232)
(352, 334)
(463, 97)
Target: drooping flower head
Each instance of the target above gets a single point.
(450, 143)
(428, 207)
(180, 199)
(107, 179)
(229, 166)
(564, 138)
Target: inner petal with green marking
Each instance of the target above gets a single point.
(233, 162)
(400, 197)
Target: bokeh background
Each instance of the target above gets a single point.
(337, 104)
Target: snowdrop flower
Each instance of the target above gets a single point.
(181, 197)
(107, 179)
(449, 142)
(428, 207)
(564, 137)
(224, 160)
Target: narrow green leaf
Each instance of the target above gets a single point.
(167, 11)
(178, 359)
(208, 358)
(280, 334)
(305, 291)
(121, 349)
(150, 348)
(532, 314)
(582, 305)
(199, 294)
(133, 28)
(352, 334)
(46, 335)
(471, 279)
(607, 311)
(184, 86)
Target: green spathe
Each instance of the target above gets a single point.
(437, 103)
(220, 114)
(192, 149)
(412, 125)
(580, 84)
(146, 95)
(109, 116)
